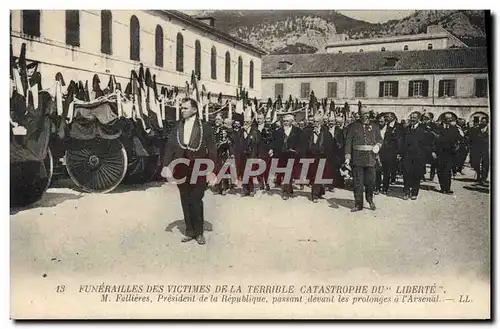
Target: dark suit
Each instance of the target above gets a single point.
(285, 148)
(337, 154)
(317, 150)
(266, 140)
(201, 146)
(363, 161)
(246, 147)
(446, 148)
(388, 155)
(480, 152)
(414, 148)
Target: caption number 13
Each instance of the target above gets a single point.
(60, 289)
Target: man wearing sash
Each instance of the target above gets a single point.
(191, 139)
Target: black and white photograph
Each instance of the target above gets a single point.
(250, 164)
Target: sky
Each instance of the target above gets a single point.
(372, 16)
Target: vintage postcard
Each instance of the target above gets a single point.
(265, 164)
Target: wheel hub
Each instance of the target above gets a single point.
(94, 161)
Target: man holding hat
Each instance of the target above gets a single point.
(363, 142)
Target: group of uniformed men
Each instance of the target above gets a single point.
(373, 148)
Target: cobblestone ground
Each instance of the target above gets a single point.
(133, 234)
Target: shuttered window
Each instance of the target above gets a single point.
(388, 89)
(278, 90)
(197, 59)
(481, 88)
(418, 88)
(251, 74)
(31, 22)
(213, 63)
(179, 57)
(240, 71)
(159, 46)
(331, 90)
(359, 89)
(106, 32)
(305, 90)
(446, 88)
(228, 67)
(135, 39)
(73, 28)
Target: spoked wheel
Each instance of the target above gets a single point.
(49, 167)
(97, 165)
(142, 169)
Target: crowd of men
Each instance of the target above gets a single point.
(374, 148)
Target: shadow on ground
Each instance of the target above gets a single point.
(181, 226)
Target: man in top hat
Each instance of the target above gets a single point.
(363, 142)
(190, 139)
(338, 133)
(266, 139)
(246, 147)
(414, 147)
(285, 147)
(446, 147)
(391, 135)
(317, 146)
(224, 145)
(479, 139)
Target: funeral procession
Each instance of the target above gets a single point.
(248, 141)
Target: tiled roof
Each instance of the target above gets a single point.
(376, 62)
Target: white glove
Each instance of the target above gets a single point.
(347, 161)
(376, 149)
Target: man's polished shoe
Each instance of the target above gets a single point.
(446, 192)
(372, 205)
(200, 239)
(355, 209)
(413, 197)
(314, 200)
(376, 192)
(285, 197)
(405, 197)
(187, 238)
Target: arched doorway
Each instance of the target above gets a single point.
(476, 117)
(441, 117)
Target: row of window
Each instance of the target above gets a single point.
(405, 47)
(416, 88)
(31, 26)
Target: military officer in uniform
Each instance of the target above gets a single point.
(363, 142)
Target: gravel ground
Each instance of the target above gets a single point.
(133, 235)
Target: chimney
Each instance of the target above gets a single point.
(210, 21)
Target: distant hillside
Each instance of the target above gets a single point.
(307, 31)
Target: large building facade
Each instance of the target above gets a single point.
(447, 80)
(81, 43)
(435, 38)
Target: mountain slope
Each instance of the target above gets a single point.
(307, 31)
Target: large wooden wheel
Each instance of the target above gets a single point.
(97, 165)
(141, 170)
(28, 181)
(49, 167)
